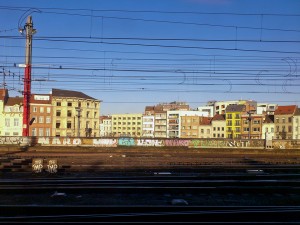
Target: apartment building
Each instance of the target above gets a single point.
(148, 126)
(74, 114)
(251, 126)
(268, 127)
(105, 126)
(3, 99)
(41, 112)
(12, 117)
(296, 124)
(160, 124)
(190, 126)
(218, 124)
(234, 120)
(127, 125)
(284, 121)
(205, 128)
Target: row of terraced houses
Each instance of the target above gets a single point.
(74, 114)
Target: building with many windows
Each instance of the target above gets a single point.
(105, 126)
(41, 112)
(218, 124)
(234, 120)
(12, 117)
(148, 126)
(296, 124)
(75, 114)
(268, 127)
(284, 121)
(127, 125)
(251, 126)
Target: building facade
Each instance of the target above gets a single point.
(127, 125)
(296, 124)
(268, 127)
(41, 112)
(218, 124)
(148, 126)
(105, 126)
(284, 121)
(251, 126)
(234, 120)
(13, 117)
(75, 114)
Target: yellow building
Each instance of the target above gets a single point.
(234, 120)
(127, 125)
(3, 100)
(75, 114)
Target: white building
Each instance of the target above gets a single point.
(207, 109)
(266, 108)
(148, 126)
(268, 127)
(105, 126)
(13, 117)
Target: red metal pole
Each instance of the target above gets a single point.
(27, 77)
(26, 100)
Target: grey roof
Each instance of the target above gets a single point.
(235, 108)
(70, 94)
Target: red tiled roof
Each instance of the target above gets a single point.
(205, 120)
(284, 110)
(14, 101)
(219, 117)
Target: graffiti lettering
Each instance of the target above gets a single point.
(126, 141)
(105, 142)
(52, 166)
(149, 142)
(175, 142)
(37, 165)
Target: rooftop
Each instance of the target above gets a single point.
(284, 110)
(70, 94)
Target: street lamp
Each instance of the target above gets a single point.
(249, 119)
(78, 109)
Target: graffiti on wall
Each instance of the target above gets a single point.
(13, 140)
(176, 142)
(149, 142)
(59, 141)
(127, 141)
(105, 142)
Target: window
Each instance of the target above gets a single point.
(47, 132)
(15, 133)
(34, 109)
(229, 116)
(272, 129)
(290, 128)
(7, 122)
(95, 114)
(69, 125)
(214, 128)
(208, 131)
(48, 119)
(41, 119)
(237, 116)
(69, 103)
(48, 109)
(69, 113)
(283, 120)
(33, 132)
(41, 131)
(290, 119)
(256, 122)
(16, 122)
(88, 105)
(57, 124)
(41, 109)
(58, 103)
(58, 113)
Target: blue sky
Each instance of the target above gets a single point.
(133, 53)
